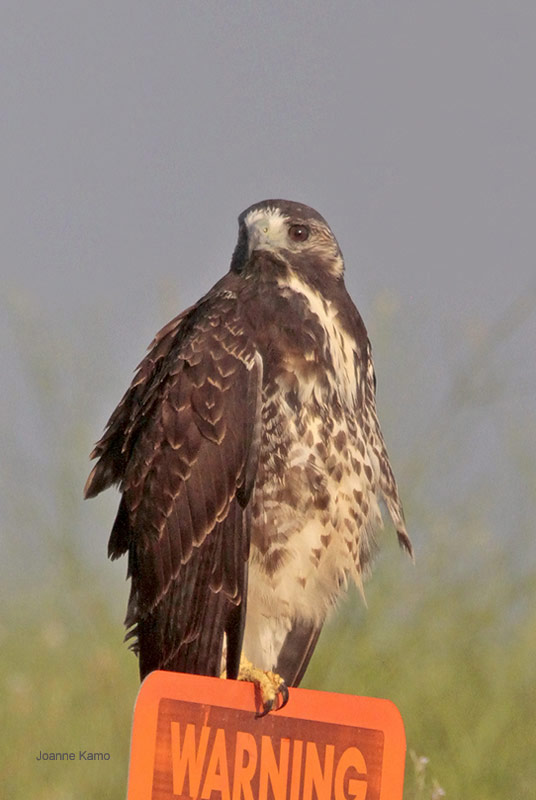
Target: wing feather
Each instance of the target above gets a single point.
(183, 445)
(377, 446)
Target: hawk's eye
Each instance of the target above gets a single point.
(298, 233)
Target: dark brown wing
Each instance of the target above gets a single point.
(183, 444)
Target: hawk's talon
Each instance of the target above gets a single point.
(283, 691)
(266, 710)
(271, 705)
(269, 687)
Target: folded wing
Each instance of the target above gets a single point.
(183, 445)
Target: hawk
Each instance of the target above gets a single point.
(250, 461)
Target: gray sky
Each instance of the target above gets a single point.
(133, 133)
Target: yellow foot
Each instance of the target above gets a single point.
(270, 687)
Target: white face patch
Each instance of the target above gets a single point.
(267, 229)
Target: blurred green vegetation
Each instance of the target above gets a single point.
(68, 685)
(451, 640)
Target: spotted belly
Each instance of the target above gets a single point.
(313, 515)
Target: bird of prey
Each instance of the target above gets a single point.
(250, 462)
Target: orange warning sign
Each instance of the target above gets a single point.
(198, 738)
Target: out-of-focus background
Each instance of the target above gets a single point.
(133, 134)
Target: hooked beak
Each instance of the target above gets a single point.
(258, 237)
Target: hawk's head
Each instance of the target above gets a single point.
(289, 232)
